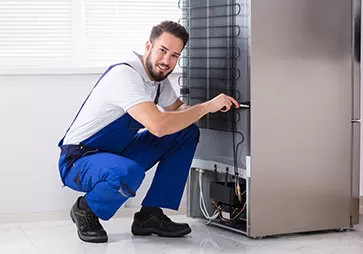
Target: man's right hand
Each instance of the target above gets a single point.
(221, 102)
(164, 123)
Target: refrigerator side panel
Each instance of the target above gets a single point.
(301, 113)
(355, 172)
(356, 30)
(356, 33)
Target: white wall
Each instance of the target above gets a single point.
(35, 112)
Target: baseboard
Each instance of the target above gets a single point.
(64, 215)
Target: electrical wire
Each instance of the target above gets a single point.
(202, 205)
(220, 215)
(218, 211)
(237, 185)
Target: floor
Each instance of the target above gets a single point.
(60, 237)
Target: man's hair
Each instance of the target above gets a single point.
(171, 27)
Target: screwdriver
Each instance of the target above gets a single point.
(242, 105)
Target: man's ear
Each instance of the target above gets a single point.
(148, 46)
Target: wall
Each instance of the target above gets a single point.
(35, 112)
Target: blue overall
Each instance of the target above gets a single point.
(110, 165)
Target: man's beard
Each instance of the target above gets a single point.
(154, 75)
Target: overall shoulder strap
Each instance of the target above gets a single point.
(108, 69)
(156, 100)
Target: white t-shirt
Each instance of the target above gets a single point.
(120, 88)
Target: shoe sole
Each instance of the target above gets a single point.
(150, 231)
(88, 238)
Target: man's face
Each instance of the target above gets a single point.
(162, 55)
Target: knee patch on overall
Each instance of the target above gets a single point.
(127, 184)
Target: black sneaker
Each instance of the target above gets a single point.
(88, 225)
(158, 223)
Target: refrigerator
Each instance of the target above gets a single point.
(288, 161)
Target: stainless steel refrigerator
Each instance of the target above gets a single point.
(293, 150)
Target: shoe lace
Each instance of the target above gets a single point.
(162, 216)
(90, 222)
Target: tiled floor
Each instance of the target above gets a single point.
(60, 237)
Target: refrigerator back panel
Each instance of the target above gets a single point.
(216, 60)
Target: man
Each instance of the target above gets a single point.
(104, 155)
